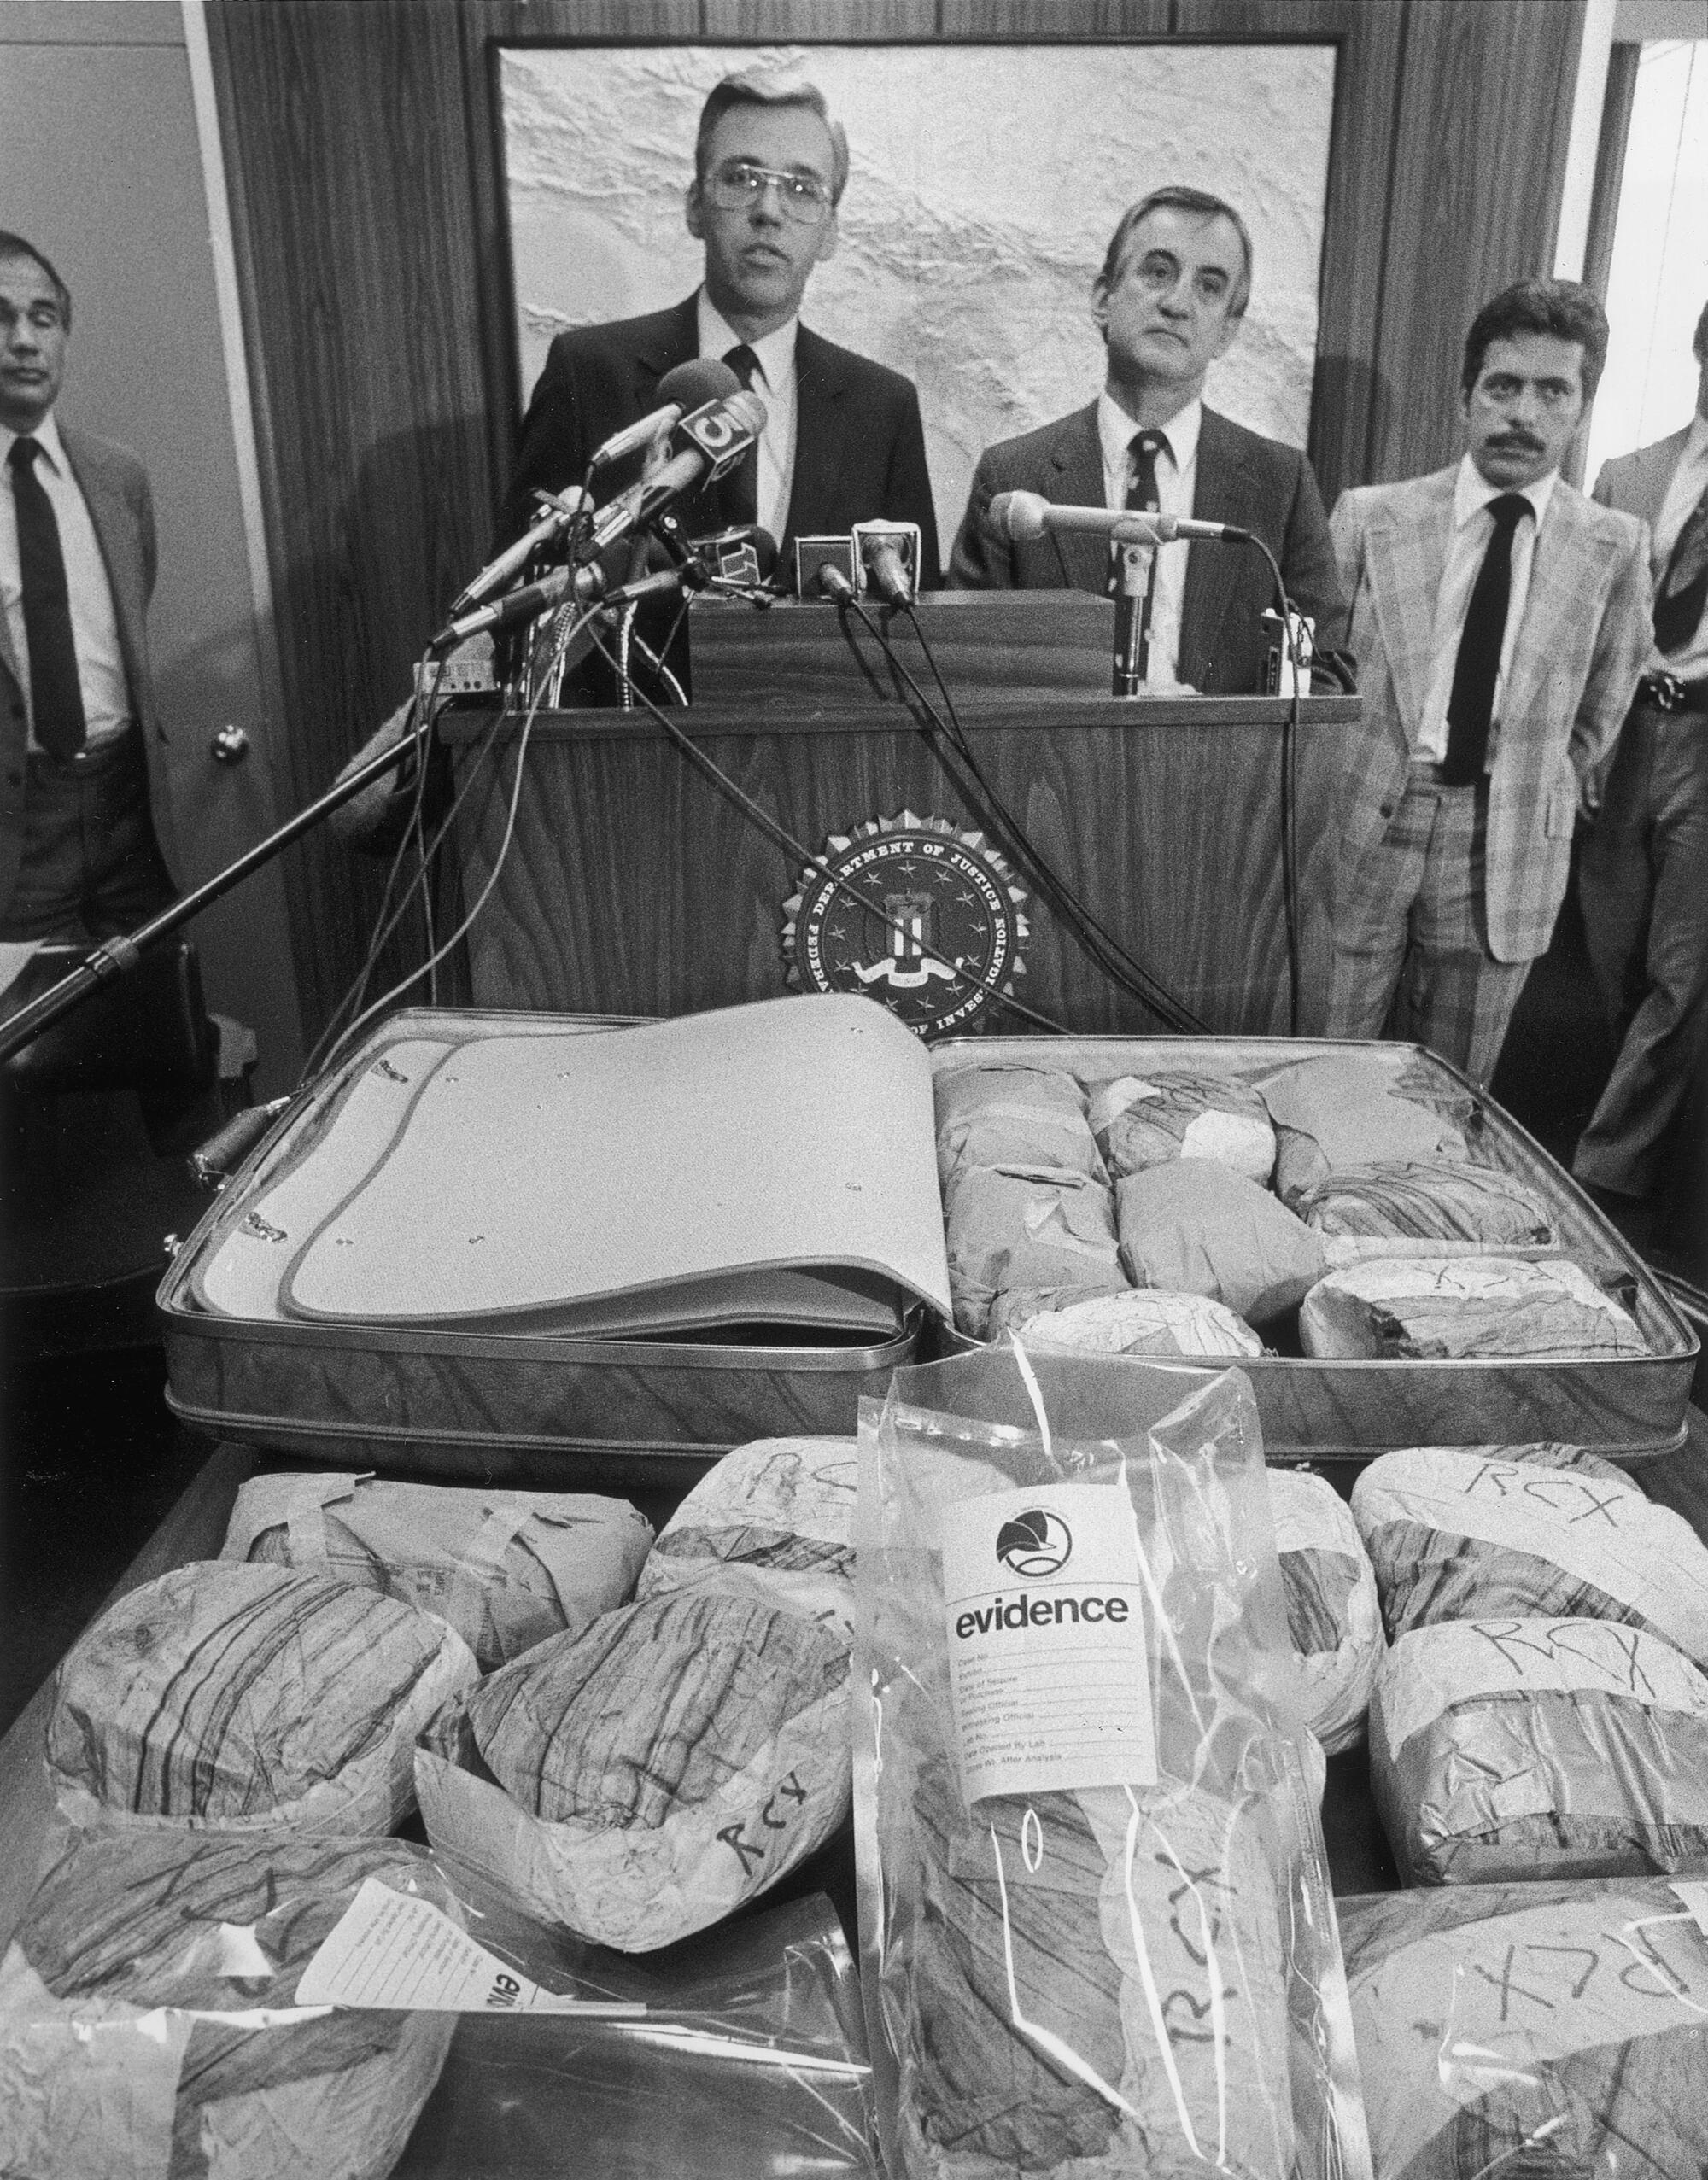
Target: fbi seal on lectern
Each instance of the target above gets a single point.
(926, 918)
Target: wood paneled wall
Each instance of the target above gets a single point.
(362, 143)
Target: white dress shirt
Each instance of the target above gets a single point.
(1472, 527)
(1177, 482)
(1689, 482)
(774, 384)
(101, 672)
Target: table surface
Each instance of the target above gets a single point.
(1359, 1861)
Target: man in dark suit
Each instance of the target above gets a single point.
(843, 441)
(85, 834)
(1169, 301)
(1643, 877)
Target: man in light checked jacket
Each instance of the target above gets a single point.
(1500, 619)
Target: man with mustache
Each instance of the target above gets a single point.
(843, 441)
(1500, 619)
(1643, 879)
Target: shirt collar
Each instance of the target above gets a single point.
(1473, 492)
(46, 436)
(1696, 440)
(1115, 430)
(775, 350)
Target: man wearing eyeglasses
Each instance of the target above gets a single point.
(843, 441)
(1500, 619)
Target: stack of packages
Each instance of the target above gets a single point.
(642, 1777)
(1539, 1745)
(230, 1746)
(1097, 1934)
(1346, 1203)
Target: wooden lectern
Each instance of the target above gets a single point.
(633, 885)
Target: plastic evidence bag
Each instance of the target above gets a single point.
(1097, 1932)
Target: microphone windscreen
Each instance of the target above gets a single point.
(1019, 515)
(700, 380)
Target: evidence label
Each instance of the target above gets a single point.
(1043, 1615)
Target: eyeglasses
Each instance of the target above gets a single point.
(803, 197)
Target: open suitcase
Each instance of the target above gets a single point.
(525, 1392)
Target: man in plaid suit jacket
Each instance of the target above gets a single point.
(1499, 620)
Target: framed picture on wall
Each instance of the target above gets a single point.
(985, 181)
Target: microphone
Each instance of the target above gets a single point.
(1023, 516)
(566, 506)
(726, 428)
(889, 558)
(524, 605)
(1168, 528)
(746, 554)
(689, 386)
(833, 583)
(720, 431)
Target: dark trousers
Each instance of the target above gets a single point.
(1643, 883)
(91, 867)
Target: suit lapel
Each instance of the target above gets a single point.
(1564, 571)
(9, 658)
(675, 340)
(116, 532)
(1406, 552)
(1221, 494)
(820, 426)
(1076, 455)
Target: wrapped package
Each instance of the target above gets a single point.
(1194, 1228)
(1094, 1907)
(1018, 1306)
(1479, 1205)
(1333, 1616)
(1139, 1122)
(1014, 1226)
(1344, 1111)
(1138, 1321)
(147, 2023)
(778, 1513)
(1012, 1116)
(1533, 2031)
(241, 1698)
(1391, 1308)
(643, 1779)
(1469, 1533)
(506, 1568)
(1503, 1749)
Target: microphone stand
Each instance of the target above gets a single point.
(1132, 619)
(115, 957)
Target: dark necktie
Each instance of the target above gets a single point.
(1142, 499)
(55, 696)
(1683, 589)
(1477, 666)
(740, 488)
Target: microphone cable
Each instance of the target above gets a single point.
(805, 858)
(1105, 951)
(327, 1049)
(386, 917)
(1289, 787)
